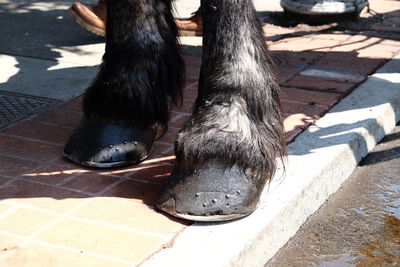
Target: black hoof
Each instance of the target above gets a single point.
(104, 145)
(211, 192)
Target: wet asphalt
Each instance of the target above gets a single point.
(359, 225)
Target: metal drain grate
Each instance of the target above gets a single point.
(15, 107)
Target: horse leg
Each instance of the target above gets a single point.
(126, 106)
(227, 150)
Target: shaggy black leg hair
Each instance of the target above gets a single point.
(227, 151)
(127, 105)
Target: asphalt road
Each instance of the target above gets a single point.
(360, 224)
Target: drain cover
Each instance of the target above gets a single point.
(323, 7)
(15, 107)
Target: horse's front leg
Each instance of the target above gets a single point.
(126, 106)
(227, 151)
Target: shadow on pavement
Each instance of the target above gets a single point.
(31, 30)
(38, 39)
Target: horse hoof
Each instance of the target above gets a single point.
(104, 145)
(213, 191)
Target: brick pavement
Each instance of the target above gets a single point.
(54, 213)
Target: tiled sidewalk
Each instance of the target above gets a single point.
(54, 213)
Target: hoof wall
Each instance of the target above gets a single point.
(103, 145)
(212, 191)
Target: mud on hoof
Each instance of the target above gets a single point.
(103, 145)
(211, 191)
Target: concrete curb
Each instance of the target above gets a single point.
(319, 160)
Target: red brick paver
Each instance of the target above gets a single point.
(54, 213)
